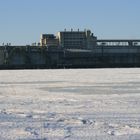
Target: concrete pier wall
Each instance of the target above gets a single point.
(100, 56)
(2, 57)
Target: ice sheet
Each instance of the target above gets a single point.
(80, 104)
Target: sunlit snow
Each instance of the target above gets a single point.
(79, 104)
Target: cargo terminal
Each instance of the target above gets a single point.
(71, 49)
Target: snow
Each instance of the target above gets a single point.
(71, 104)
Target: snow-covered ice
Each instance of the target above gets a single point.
(78, 104)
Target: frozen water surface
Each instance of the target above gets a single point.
(80, 104)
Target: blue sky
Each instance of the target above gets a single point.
(22, 21)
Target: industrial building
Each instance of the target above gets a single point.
(72, 49)
(76, 39)
(70, 39)
(49, 40)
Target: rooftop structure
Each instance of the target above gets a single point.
(48, 40)
(82, 40)
(76, 39)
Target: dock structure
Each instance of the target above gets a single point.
(72, 49)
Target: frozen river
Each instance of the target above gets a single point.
(80, 104)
